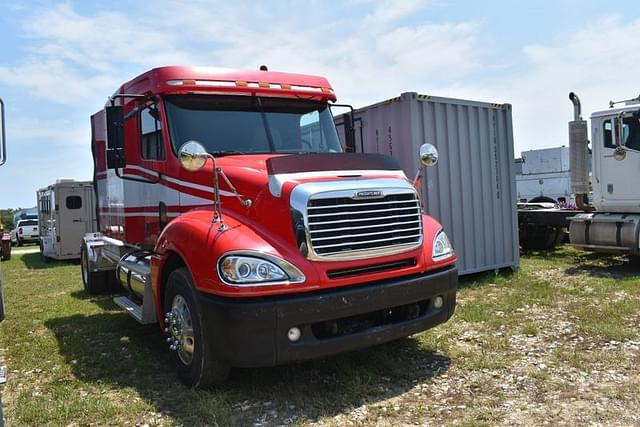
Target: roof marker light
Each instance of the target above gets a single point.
(306, 88)
(217, 83)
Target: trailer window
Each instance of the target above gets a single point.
(252, 125)
(151, 135)
(45, 204)
(73, 202)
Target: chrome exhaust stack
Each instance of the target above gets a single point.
(577, 107)
(579, 155)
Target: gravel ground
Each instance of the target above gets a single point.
(555, 343)
(538, 364)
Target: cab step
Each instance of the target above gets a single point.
(136, 311)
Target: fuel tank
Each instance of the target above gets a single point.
(606, 231)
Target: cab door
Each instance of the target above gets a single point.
(156, 197)
(615, 179)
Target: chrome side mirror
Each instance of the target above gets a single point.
(3, 142)
(192, 156)
(428, 155)
(619, 153)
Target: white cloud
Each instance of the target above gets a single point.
(599, 62)
(74, 58)
(102, 41)
(388, 11)
(53, 134)
(78, 59)
(364, 62)
(57, 81)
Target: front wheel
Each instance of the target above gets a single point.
(194, 358)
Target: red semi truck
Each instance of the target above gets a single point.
(231, 215)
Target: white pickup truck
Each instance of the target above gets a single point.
(26, 230)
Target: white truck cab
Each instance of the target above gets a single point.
(616, 159)
(611, 221)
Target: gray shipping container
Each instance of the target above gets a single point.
(471, 190)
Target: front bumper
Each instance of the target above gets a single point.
(252, 333)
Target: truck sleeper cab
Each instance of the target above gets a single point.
(230, 215)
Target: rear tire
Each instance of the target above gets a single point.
(95, 282)
(543, 199)
(541, 238)
(201, 368)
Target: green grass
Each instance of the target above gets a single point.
(79, 360)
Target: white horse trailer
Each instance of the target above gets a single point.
(66, 212)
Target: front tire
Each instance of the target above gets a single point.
(195, 361)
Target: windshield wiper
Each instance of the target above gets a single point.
(267, 129)
(225, 153)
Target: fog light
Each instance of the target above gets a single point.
(438, 302)
(294, 334)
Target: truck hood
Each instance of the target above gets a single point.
(267, 180)
(252, 175)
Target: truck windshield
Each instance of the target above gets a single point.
(251, 125)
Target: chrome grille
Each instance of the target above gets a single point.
(340, 227)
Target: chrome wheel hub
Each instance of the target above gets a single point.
(179, 326)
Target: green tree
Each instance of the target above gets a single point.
(6, 218)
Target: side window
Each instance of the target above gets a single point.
(630, 133)
(311, 132)
(607, 133)
(73, 202)
(151, 134)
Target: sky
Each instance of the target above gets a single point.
(59, 61)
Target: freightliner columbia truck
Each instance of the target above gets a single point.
(230, 215)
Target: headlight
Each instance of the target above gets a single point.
(256, 270)
(441, 247)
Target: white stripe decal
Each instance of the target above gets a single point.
(141, 169)
(144, 214)
(277, 181)
(187, 184)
